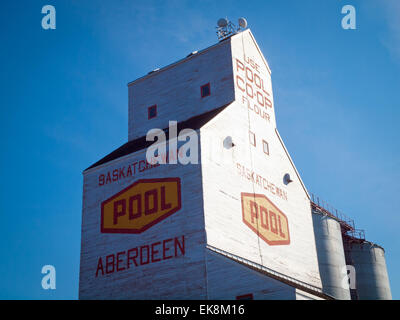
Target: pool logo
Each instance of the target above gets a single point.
(263, 217)
(141, 205)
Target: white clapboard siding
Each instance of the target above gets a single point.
(182, 277)
(242, 281)
(223, 186)
(211, 212)
(176, 90)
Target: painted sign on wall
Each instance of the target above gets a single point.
(141, 205)
(265, 219)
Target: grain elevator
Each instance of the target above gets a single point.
(220, 210)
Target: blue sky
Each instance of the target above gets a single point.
(64, 106)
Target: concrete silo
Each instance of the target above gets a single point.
(350, 266)
(331, 259)
(368, 259)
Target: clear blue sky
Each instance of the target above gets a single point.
(64, 106)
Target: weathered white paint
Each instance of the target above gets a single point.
(176, 90)
(211, 206)
(223, 184)
(242, 280)
(177, 278)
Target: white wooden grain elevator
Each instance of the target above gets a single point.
(239, 224)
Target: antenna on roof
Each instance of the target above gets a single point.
(226, 28)
(242, 23)
(222, 23)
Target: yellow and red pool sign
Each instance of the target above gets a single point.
(141, 205)
(263, 217)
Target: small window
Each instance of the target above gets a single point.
(152, 112)
(265, 147)
(248, 296)
(205, 90)
(252, 138)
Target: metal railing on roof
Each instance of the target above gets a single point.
(356, 234)
(347, 223)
